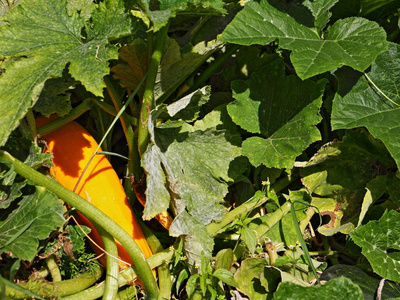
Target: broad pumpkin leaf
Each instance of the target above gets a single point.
(35, 218)
(40, 40)
(187, 169)
(379, 241)
(54, 98)
(335, 289)
(354, 42)
(282, 110)
(372, 100)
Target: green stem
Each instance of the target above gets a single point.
(126, 276)
(256, 201)
(304, 222)
(112, 270)
(134, 158)
(60, 122)
(148, 102)
(200, 81)
(53, 268)
(61, 288)
(164, 275)
(302, 242)
(111, 110)
(273, 219)
(96, 216)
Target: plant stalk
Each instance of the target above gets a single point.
(112, 269)
(148, 102)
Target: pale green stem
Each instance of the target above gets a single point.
(53, 268)
(112, 269)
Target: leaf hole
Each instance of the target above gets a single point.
(391, 250)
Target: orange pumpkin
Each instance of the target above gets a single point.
(72, 146)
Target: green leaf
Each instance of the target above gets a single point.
(189, 169)
(38, 215)
(368, 284)
(42, 39)
(224, 259)
(379, 241)
(85, 7)
(283, 109)
(248, 278)
(335, 289)
(133, 65)
(249, 238)
(225, 276)
(9, 193)
(320, 11)
(373, 103)
(54, 98)
(354, 42)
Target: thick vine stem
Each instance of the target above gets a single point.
(60, 288)
(53, 268)
(164, 275)
(112, 269)
(96, 216)
(256, 201)
(148, 95)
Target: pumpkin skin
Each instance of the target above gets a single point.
(72, 146)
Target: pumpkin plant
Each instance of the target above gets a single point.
(237, 124)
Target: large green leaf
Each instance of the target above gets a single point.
(282, 109)
(42, 39)
(354, 42)
(335, 289)
(373, 103)
(187, 169)
(379, 241)
(35, 218)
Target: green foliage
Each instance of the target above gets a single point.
(379, 243)
(72, 253)
(365, 100)
(283, 109)
(35, 218)
(43, 44)
(248, 110)
(357, 46)
(340, 288)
